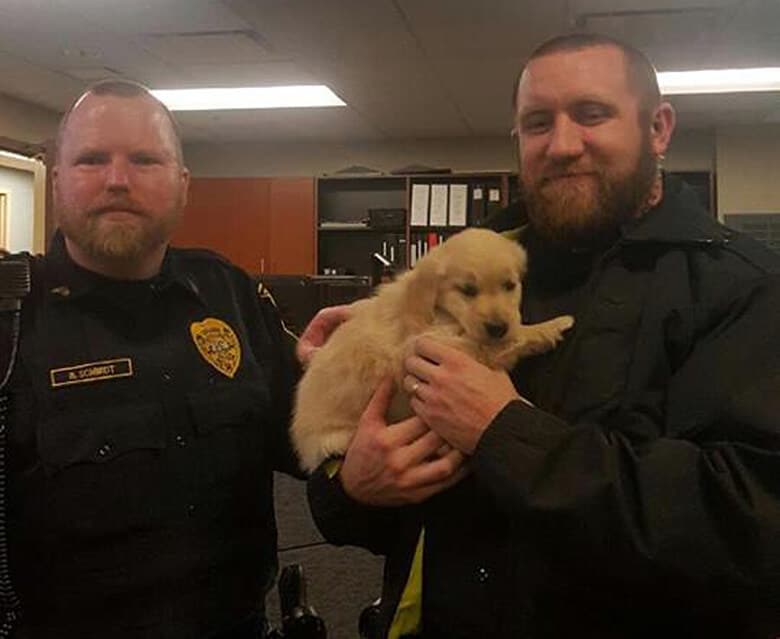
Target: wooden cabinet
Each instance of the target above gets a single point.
(291, 235)
(257, 223)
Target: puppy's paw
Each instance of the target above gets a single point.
(543, 337)
(564, 321)
(557, 326)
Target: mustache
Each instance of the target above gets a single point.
(561, 171)
(118, 205)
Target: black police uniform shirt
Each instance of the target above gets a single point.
(147, 417)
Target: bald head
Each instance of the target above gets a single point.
(127, 90)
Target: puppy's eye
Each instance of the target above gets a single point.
(509, 285)
(469, 290)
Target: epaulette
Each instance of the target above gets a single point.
(201, 254)
(755, 252)
(265, 295)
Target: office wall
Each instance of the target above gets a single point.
(690, 151)
(279, 158)
(19, 185)
(26, 123)
(748, 159)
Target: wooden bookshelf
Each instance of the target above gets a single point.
(347, 237)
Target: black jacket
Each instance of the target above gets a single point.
(147, 419)
(641, 497)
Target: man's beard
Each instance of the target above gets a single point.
(117, 241)
(578, 213)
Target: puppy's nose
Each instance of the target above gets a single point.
(496, 330)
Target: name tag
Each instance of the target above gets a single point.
(92, 372)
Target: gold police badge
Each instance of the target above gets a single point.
(218, 344)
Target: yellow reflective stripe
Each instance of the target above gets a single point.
(408, 615)
(332, 467)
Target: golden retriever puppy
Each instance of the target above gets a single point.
(465, 292)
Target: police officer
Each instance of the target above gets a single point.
(150, 402)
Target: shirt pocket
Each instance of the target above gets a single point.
(102, 470)
(99, 436)
(230, 422)
(229, 406)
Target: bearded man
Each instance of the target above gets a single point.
(626, 484)
(150, 403)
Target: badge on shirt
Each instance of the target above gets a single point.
(91, 372)
(218, 345)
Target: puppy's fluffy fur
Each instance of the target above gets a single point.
(465, 292)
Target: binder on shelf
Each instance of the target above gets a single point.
(438, 205)
(493, 205)
(394, 249)
(477, 209)
(458, 204)
(420, 197)
(419, 245)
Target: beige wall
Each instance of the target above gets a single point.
(280, 159)
(19, 187)
(691, 151)
(748, 160)
(26, 123)
(23, 181)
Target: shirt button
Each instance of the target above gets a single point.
(180, 440)
(482, 575)
(191, 509)
(104, 450)
(167, 377)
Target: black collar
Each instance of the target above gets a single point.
(679, 218)
(69, 281)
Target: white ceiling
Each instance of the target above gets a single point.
(406, 68)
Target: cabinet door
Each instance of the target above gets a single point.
(229, 216)
(291, 227)
(253, 222)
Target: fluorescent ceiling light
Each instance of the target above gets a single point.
(719, 81)
(248, 98)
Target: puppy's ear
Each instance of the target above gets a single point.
(422, 289)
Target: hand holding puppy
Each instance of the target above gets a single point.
(396, 464)
(320, 329)
(456, 396)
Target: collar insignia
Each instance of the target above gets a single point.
(61, 291)
(218, 345)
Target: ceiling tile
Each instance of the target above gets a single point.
(407, 68)
(132, 17)
(234, 47)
